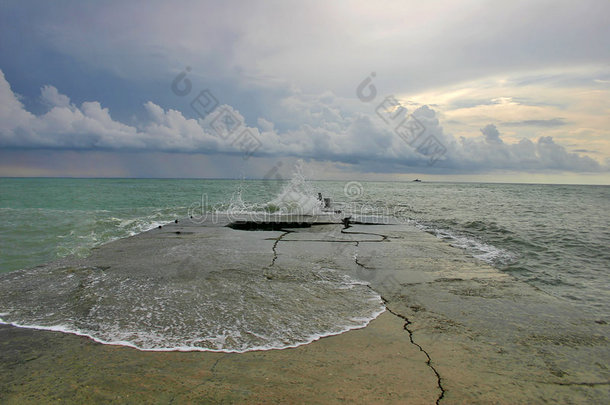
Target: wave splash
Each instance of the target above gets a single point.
(296, 196)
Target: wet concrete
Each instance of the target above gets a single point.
(456, 330)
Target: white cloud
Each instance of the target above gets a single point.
(326, 133)
(12, 112)
(52, 98)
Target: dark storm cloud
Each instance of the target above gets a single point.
(328, 134)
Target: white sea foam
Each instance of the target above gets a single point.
(121, 339)
(480, 250)
(296, 197)
(226, 313)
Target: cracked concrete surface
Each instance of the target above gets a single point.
(403, 317)
(277, 240)
(428, 359)
(455, 331)
(487, 337)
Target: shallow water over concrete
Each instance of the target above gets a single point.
(480, 335)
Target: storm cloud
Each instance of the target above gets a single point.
(327, 133)
(496, 86)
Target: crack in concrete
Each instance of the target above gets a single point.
(212, 370)
(274, 248)
(385, 302)
(383, 237)
(406, 326)
(429, 359)
(568, 383)
(327, 241)
(356, 257)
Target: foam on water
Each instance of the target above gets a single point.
(480, 250)
(225, 311)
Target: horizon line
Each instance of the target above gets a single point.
(286, 179)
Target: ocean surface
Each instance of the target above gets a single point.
(555, 237)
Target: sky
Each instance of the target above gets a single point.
(499, 91)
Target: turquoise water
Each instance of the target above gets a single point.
(44, 219)
(555, 237)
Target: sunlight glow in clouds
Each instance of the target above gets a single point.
(571, 107)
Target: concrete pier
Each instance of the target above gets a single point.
(455, 331)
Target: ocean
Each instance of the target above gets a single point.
(554, 237)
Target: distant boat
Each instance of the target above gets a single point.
(417, 180)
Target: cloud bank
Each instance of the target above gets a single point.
(325, 132)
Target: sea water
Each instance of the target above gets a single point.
(555, 237)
